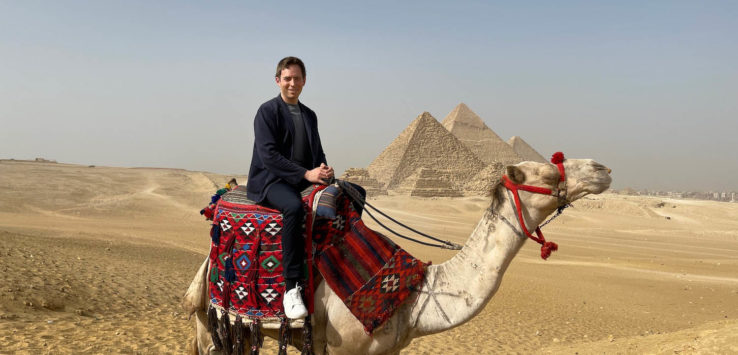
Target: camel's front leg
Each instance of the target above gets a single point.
(320, 319)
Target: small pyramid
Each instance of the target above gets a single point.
(469, 128)
(425, 144)
(361, 177)
(483, 181)
(524, 150)
(427, 182)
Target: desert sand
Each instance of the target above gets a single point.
(95, 260)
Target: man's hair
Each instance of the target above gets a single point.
(286, 62)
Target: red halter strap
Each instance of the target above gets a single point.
(546, 247)
(558, 159)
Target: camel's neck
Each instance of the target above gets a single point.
(457, 290)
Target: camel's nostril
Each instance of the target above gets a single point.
(609, 171)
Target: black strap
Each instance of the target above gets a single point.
(356, 196)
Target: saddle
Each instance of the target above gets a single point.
(370, 273)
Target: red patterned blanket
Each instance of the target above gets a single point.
(371, 274)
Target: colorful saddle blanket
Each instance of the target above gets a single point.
(370, 273)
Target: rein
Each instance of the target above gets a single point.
(560, 193)
(356, 196)
(546, 247)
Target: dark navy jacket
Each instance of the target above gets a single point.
(273, 133)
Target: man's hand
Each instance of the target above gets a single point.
(328, 171)
(320, 175)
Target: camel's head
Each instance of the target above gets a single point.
(583, 177)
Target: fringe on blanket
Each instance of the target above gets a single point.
(238, 339)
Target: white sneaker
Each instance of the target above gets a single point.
(293, 306)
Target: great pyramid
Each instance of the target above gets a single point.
(425, 144)
(525, 151)
(469, 128)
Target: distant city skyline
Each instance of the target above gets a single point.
(648, 89)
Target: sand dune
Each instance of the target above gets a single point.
(95, 260)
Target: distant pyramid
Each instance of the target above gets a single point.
(482, 182)
(525, 151)
(485, 143)
(427, 182)
(425, 144)
(361, 177)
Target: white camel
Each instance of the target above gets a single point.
(453, 292)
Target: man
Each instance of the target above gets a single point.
(288, 157)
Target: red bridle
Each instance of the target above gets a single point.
(546, 247)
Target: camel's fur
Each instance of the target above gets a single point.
(196, 297)
(454, 291)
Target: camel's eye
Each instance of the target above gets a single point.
(598, 166)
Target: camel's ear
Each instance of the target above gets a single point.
(515, 174)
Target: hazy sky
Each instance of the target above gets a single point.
(648, 88)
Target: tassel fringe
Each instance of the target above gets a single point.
(230, 272)
(307, 337)
(255, 337)
(225, 333)
(239, 333)
(213, 327)
(284, 336)
(547, 248)
(215, 234)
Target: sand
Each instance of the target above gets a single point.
(95, 260)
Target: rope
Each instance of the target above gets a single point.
(558, 213)
(355, 196)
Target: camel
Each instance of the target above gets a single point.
(453, 292)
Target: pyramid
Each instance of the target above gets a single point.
(361, 177)
(427, 182)
(525, 151)
(425, 144)
(485, 143)
(482, 182)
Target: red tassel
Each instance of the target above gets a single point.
(208, 212)
(557, 158)
(547, 248)
(213, 255)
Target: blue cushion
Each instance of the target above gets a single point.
(327, 203)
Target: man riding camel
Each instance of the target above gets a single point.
(287, 158)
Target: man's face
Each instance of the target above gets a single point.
(290, 83)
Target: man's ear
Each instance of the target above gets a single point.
(515, 174)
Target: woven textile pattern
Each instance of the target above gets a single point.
(256, 257)
(371, 274)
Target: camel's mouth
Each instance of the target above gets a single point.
(597, 180)
(602, 187)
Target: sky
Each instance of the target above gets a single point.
(648, 88)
